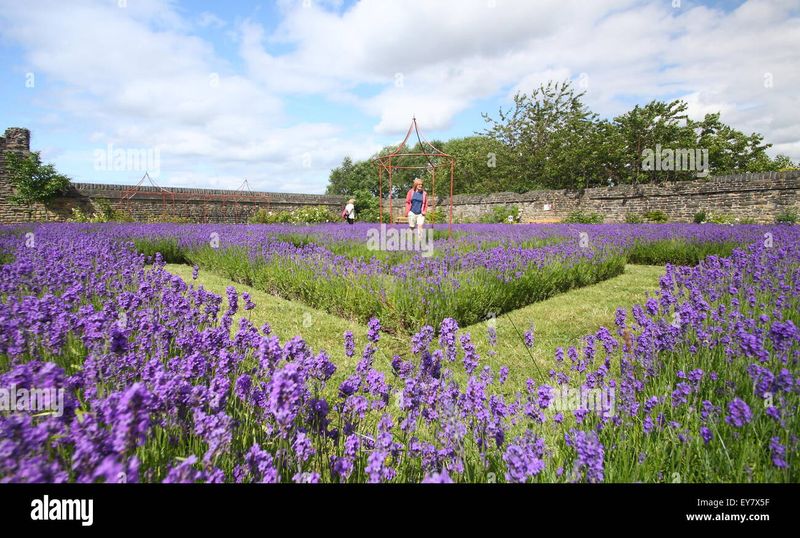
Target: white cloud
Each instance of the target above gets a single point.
(451, 53)
(207, 19)
(140, 76)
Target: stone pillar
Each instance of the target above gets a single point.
(18, 140)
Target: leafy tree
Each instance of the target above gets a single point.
(550, 139)
(731, 151)
(350, 177)
(542, 127)
(645, 128)
(33, 181)
(782, 163)
(483, 165)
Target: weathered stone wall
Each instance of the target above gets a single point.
(201, 205)
(148, 202)
(759, 196)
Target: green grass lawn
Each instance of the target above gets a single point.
(563, 320)
(559, 321)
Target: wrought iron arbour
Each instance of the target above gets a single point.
(223, 204)
(234, 200)
(131, 192)
(434, 157)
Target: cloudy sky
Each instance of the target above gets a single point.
(279, 92)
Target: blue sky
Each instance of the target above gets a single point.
(207, 93)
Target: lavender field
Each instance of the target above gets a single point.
(166, 381)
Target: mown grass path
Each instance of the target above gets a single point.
(559, 321)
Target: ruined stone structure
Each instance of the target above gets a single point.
(760, 196)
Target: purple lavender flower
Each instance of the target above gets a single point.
(680, 394)
(545, 393)
(739, 413)
(438, 478)
(502, 375)
(524, 458)
(447, 337)
(119, 340)
(233, 300)
(302, 447)
(529, 338)
(260, 465)
(184, 473)
(492, 336)
(471, 356)
(349, 344)
(422, 340)
(131, 419)
(341, 467)
(350, 385)
(590, 455)
(374, 330)
(286, 394)
(778, 453)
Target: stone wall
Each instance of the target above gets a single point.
(148, 202)
(759, 196)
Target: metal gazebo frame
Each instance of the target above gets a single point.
(230, 205)
(129, 193)
(429, 151)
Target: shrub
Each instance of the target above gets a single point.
(579, 217)
(787, 216)
(721, 218)
(700, 217)
(633, 218)
(503, 213)
(657, 216)
(262, 216)
(304, 215)
(104, 213)
(367, 206)
(435, 216)
(313, 215)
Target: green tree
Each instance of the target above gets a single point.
(483, 165)
(550, 139)
(33, 181)
(731, 151)
(646, 127)
(349, 177)
(550, 134)
(782, 163)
